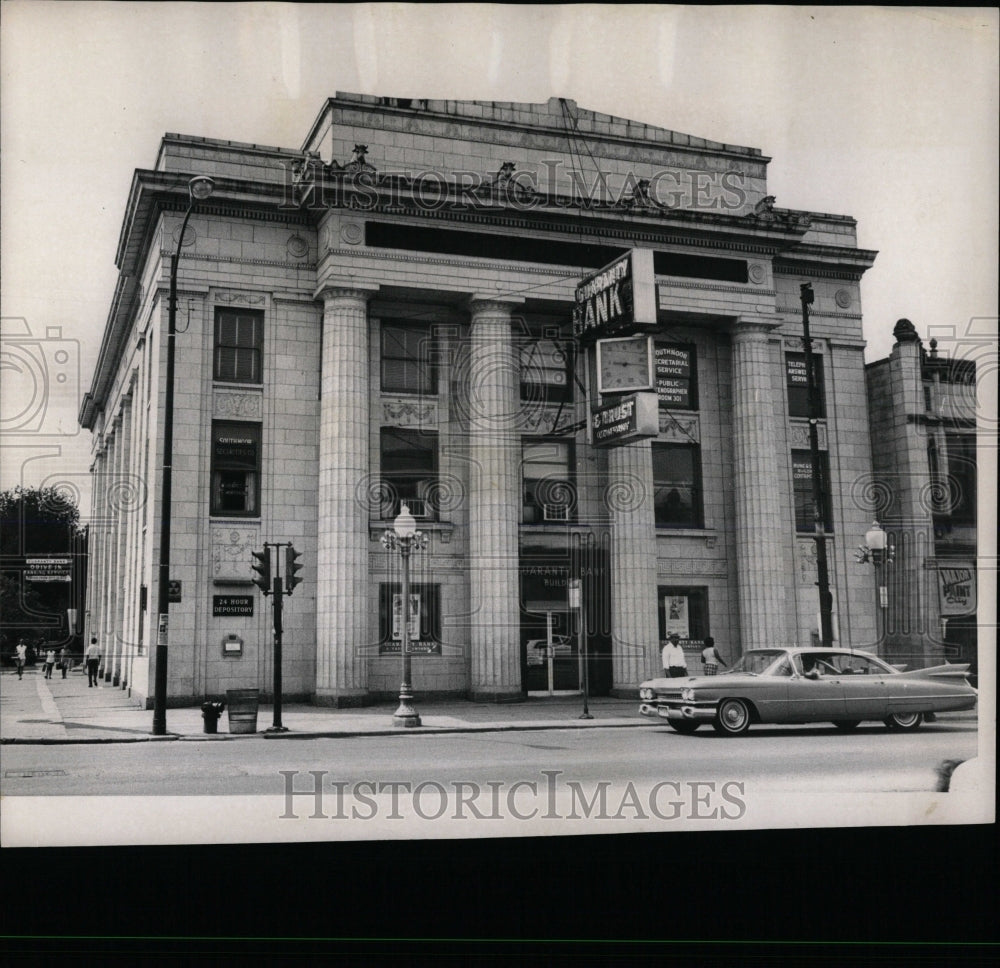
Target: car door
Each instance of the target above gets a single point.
(866, 691)
(813, 700)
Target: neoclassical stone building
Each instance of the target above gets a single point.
(385, 316)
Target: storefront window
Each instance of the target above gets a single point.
(683, 610)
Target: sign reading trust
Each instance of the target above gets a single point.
(628, 418)
(619, 299)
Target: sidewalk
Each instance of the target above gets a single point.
(42, 711)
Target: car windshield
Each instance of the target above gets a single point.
(758, 661)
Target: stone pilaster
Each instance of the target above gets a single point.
(109, 551)
(123, 521)
(760, 521)
(95, 550)
(635, 636)
(343, 637)
(494, 502)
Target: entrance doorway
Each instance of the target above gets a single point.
(553, 663)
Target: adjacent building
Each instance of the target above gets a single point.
(923, 417)
(385, 316)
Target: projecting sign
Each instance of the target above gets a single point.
(628, 418)
(617, 300)
(957, 586)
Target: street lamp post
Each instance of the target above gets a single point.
(405, 538)
(880, 553)
(199, 187)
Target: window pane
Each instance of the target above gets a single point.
(798, 386)
(408, 359)
(677, 485)
(549, 492)
(238, 345)
(235, 468)
(802, 485)
(409, 472)
(546, 371)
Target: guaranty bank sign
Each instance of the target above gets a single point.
(619, 299)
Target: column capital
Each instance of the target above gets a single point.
(341, 289)
(484, 302)
(750, 326)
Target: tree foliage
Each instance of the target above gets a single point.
(37, 521)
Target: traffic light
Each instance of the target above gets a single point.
(262, 565)
(291, 568)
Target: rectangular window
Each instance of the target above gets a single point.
(677, 496)
(548, 489)
(684, 611)
(798, 385)
(408, 359)
(424, 618)
(802, 485)
(239, 340)
(676, 372)
(961, 478)
(235, 469)
(409, 472)
(547, 371)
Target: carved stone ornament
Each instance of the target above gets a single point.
(230, 403)
(798, 434)
(757, 273)
(684, 429)
(352, 233)
(250, 299)
(297, 247)
(844, 298)
(409, 413)
(231, 547)
(190, 236)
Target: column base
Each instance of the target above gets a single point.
(341, 700)
(496, 695)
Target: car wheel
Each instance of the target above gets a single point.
(684, 725)
(846, 724)
(904, 720)
(733, 717)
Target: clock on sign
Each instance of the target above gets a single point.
(625, 364)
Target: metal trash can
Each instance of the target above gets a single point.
(210, 712)
(241, 705)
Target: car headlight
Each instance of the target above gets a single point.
(687, 695)
(646, 693)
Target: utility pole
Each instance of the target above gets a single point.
(818, 484)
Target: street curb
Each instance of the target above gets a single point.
(331, 734)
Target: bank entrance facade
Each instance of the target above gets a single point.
(384, 317)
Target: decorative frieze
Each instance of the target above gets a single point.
(798, 434)
(404, 412)
(237, 404)
(674, 429)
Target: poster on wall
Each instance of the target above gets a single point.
(397, 617)
(676, 616)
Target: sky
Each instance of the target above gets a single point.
(886, 114)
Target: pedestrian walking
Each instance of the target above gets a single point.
(50, 662)
(710, 658)
(674, 660)
(64, 661)
(93, 661)
(20, 657)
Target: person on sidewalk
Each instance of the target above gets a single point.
(20, 657)
(674, 661)
(50, 662)
(64, 661)
(93, 661)
(710, 657)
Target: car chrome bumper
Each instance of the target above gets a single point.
(697, 714)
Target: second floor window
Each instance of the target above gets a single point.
(239, 341)
(409, 472)
(798, 387)
(546, 371)
(548, 492)
(677, 499)
(235, 469)
(802, 486)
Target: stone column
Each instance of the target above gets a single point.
(109, 553)
(120, 578)
(635, 636)
(343, 636)
(95, 550)
(494, 503)
(761, 566)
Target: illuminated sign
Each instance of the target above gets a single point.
(628, 418)
(618, 299)
(48, 569)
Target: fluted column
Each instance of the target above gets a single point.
(760, 522)
(494, 502)
(122, 523)
(635, 636)
(109, 551)
(343, 636)
(95, 550)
